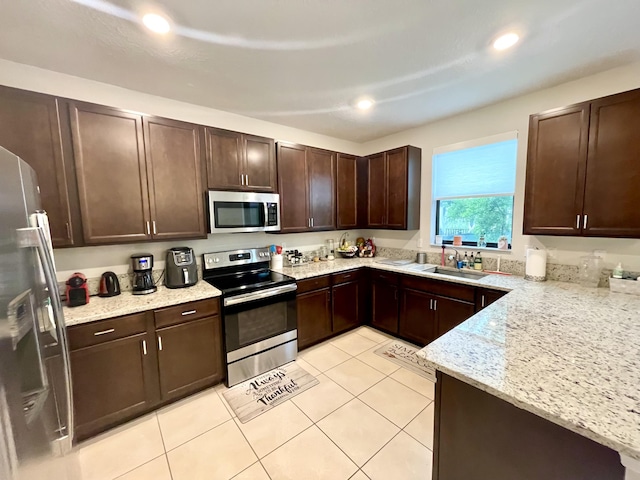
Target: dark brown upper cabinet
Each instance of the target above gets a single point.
(583, 171)
(174, 166)
(393, 189)
(348, 191)
(31, 127)
(120, 200)
(306, 183)
(237, 161)
(556, 170)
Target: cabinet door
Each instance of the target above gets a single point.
(259, 164)
(112, 381)
(396, 188)
(292, 186)
(556, 165)
(321, 166)
(346, 191)
(224, 159)
(486, 296)
(417, 319)
(314, 317)
(612, 194)
(112, 175)
(30, 128)
(384, 306)
(345, 306)
(174, 166)
(451, 313)
(376, 191)
(189, 356)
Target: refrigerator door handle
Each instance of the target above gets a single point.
(36, 237)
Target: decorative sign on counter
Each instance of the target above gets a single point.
(260, 394)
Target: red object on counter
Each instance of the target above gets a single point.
(77, 290)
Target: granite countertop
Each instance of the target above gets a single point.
(100, 308)
(566, 353)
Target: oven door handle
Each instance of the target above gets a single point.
(250, 297)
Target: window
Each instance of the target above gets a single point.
(473, 188)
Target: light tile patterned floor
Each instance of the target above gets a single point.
(368, 418)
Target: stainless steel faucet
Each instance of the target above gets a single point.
(455, 258)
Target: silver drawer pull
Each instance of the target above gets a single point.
(104, 332)
(159, 343)
(188, 312)
(144, 347)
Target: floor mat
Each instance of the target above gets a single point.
(260, 394)
(405, 356)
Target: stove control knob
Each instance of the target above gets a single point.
(209, 260)
(216, 259)
(261, 254)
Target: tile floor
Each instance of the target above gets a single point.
(368, 418)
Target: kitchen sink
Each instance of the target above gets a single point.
(471, 275)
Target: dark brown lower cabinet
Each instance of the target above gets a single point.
(189, 357)
(385, 304)
(486, 296)
(481, 437)
(112, 381)
(124, 367)
(417, 318)
(450, 313)
(314, 317)
(345, 305)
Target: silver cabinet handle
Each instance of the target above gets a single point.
(68, 230)
(148, 229)
(431, 304)
(435, 304)
(311, 222)
(482, 304)
(241, 179)
(104, 332)
(159, 343)
(578, 222)
(584, 225)
(188, 312)
(246, 179)
(144, 347)
(154, 228)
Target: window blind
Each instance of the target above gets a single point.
(484, 170)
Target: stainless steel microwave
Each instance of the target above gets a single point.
(240, 212)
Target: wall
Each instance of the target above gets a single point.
(94, 260)
(504, 117)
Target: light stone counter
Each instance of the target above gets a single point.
(100, 308)
(566, 353)
(563, 352)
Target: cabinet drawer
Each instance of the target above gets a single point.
(186, 312)
(348, 276)
(313, 283)
(105, 330)
(437, 287)
(388, 277)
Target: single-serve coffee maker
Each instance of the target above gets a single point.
(142, 264)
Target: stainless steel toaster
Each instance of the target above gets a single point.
(181, 269)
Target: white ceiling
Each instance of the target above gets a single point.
(304, 63)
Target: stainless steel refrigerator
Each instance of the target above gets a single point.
(36, 415)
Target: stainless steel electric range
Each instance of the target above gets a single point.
(258, 312)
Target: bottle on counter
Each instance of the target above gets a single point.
(465, 261)
(477, 265)
(471, 261)
(618, 272)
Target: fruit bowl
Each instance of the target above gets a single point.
(348, 252)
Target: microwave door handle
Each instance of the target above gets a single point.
(265, 222)
(36, 237)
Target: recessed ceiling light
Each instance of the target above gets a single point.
(156, 23)
(365, 104)
(506, 41)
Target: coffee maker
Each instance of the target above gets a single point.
(142, 264)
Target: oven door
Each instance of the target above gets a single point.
(259, 320)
